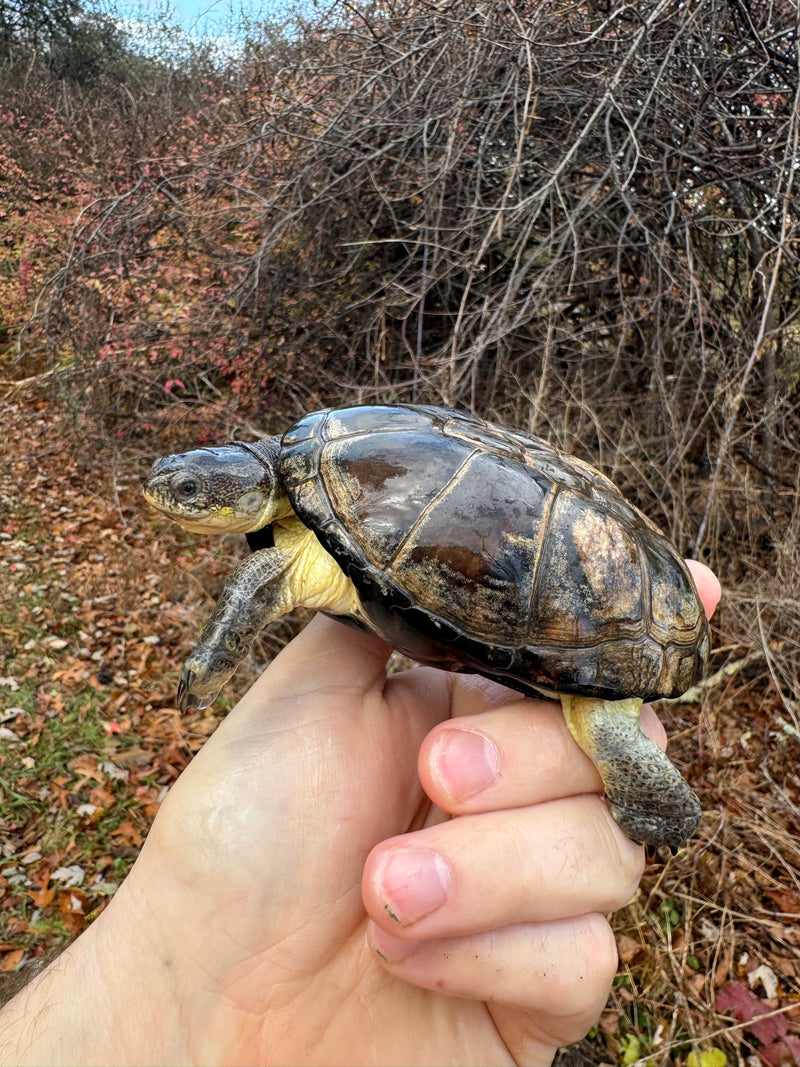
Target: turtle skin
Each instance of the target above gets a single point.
(483, 549)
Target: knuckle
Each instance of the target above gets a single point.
(600, 952)
(585, 973)
(622, 859)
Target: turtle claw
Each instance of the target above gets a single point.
(185, 700)
(196, 689)
(670, 825)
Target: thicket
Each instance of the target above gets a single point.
(81, 106)
(579, 218)
(31, 26)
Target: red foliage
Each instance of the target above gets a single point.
(766, 1024)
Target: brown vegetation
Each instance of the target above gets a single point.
(577, 218)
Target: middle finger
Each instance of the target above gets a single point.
(477, 872)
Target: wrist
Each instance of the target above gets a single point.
(108, 998)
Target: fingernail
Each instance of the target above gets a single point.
(413, 883)
(465, 762)
(390, 949)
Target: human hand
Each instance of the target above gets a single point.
(280, 911)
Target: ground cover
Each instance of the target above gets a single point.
(100, 604)
(89, 737)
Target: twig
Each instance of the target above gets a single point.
(695, 694)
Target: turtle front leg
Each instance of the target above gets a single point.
(647, 795)
(256, 593)
(296, 572)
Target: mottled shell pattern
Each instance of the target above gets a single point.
(479, 548)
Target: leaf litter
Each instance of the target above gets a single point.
(99, 608)
(102, 600)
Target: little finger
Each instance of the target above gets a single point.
(560, 971)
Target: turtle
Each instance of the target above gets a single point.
(468, 546)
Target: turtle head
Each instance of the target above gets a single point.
(235, 488)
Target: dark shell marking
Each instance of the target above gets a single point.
(484, 549)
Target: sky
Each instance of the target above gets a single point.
(219, 21)
(195, 13)
(212, 15)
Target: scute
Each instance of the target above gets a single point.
(589, 584)
(380, 486)
(470, 569)
(475, 548)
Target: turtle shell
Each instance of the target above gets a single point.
(478, 548)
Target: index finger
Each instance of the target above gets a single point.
(707, 584)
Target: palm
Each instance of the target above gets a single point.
(286, 809)
(275, 917)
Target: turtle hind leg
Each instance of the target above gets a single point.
(648, 796)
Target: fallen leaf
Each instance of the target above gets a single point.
(710, 1057)
(128, 834)
(783, 1052)
(739, 1001)
(787, 901)
(43, 896)
(87, 766)
(72, 901)
(766, 978)
(69, 876)
(628, 948)
(11, 960)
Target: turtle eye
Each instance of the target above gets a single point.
(186, 487)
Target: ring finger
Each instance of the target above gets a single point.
(558, 971)
(479, 872)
